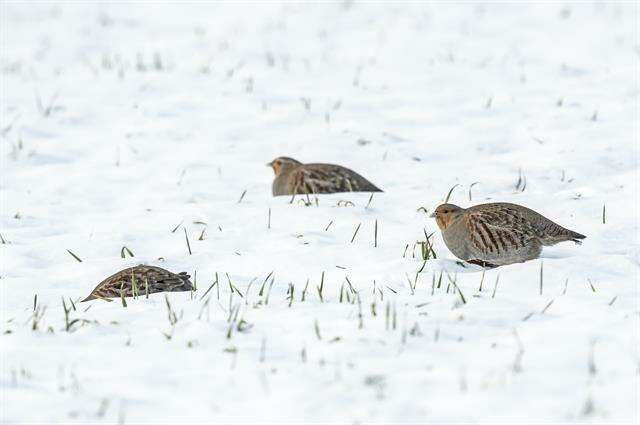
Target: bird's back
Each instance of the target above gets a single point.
(331, 178)
(520, 217)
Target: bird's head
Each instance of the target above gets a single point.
(446, 214)
(282, 164)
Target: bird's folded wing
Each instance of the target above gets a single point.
(326, 180)
(499, 230)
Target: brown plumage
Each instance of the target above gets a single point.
(296, 178)
(497, 234)
(140, 278)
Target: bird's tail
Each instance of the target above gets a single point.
(557, 234)
(576, 237)
(186, 284)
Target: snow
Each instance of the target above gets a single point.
(155, 115)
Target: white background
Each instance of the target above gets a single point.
(119, 122)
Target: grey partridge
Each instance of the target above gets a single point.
(140, 280)
(497, 234)
(296, 178)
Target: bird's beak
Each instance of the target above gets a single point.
(269, 164)
(433, 215)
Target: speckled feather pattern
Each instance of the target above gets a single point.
(139, 278)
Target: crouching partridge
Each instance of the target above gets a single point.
(497, 234)
(140, 280)
(296, 178)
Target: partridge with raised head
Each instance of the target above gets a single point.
(497, 234)
(296, 178)
(140, 280)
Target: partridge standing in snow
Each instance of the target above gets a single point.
(497, 234)
(293, 178)
(141, 279)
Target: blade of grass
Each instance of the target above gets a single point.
(186, 237)
(74, 256)
(177, 227)
(450, 191)
(356, 232)
(124, 251)
(242, 196)
(495, 288)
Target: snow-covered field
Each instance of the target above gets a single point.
(127, 125)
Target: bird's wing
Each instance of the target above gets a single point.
(327, 178)
(500, 229)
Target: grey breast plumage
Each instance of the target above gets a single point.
(139, 280)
